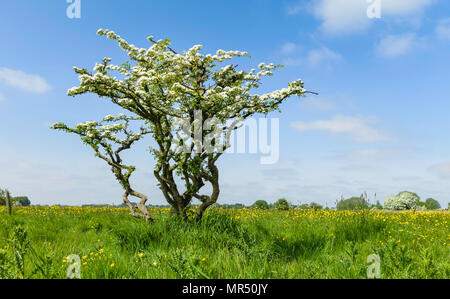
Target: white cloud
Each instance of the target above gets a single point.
(404, 7)
(317, 104)
(375, 155)
(318, 56)
(397, 45)
(24, 81)
(441, 169)
(350, 16)
(342, 16)
(358, 128)
(289, 48)
(1, 97)
(443, 29)
(294, 9)
(295, 56)
(368, 155)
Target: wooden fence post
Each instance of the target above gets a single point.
(8, 203)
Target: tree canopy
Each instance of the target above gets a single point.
(282, 204)
(403, 201)
(23, 201)
(432, 204)
(261, 204)
(353, 203)
(315, 206)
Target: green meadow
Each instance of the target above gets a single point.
(37, 242)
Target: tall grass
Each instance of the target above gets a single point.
(225, 244)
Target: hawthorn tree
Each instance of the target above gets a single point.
(160, 87)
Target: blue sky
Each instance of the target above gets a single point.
(380, 123)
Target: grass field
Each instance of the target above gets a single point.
(36, 241)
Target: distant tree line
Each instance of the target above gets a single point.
(403, 201)
(16, 200)
(283, 204)
(356, 203)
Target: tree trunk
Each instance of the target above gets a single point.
(215, 193)
(141, 211)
